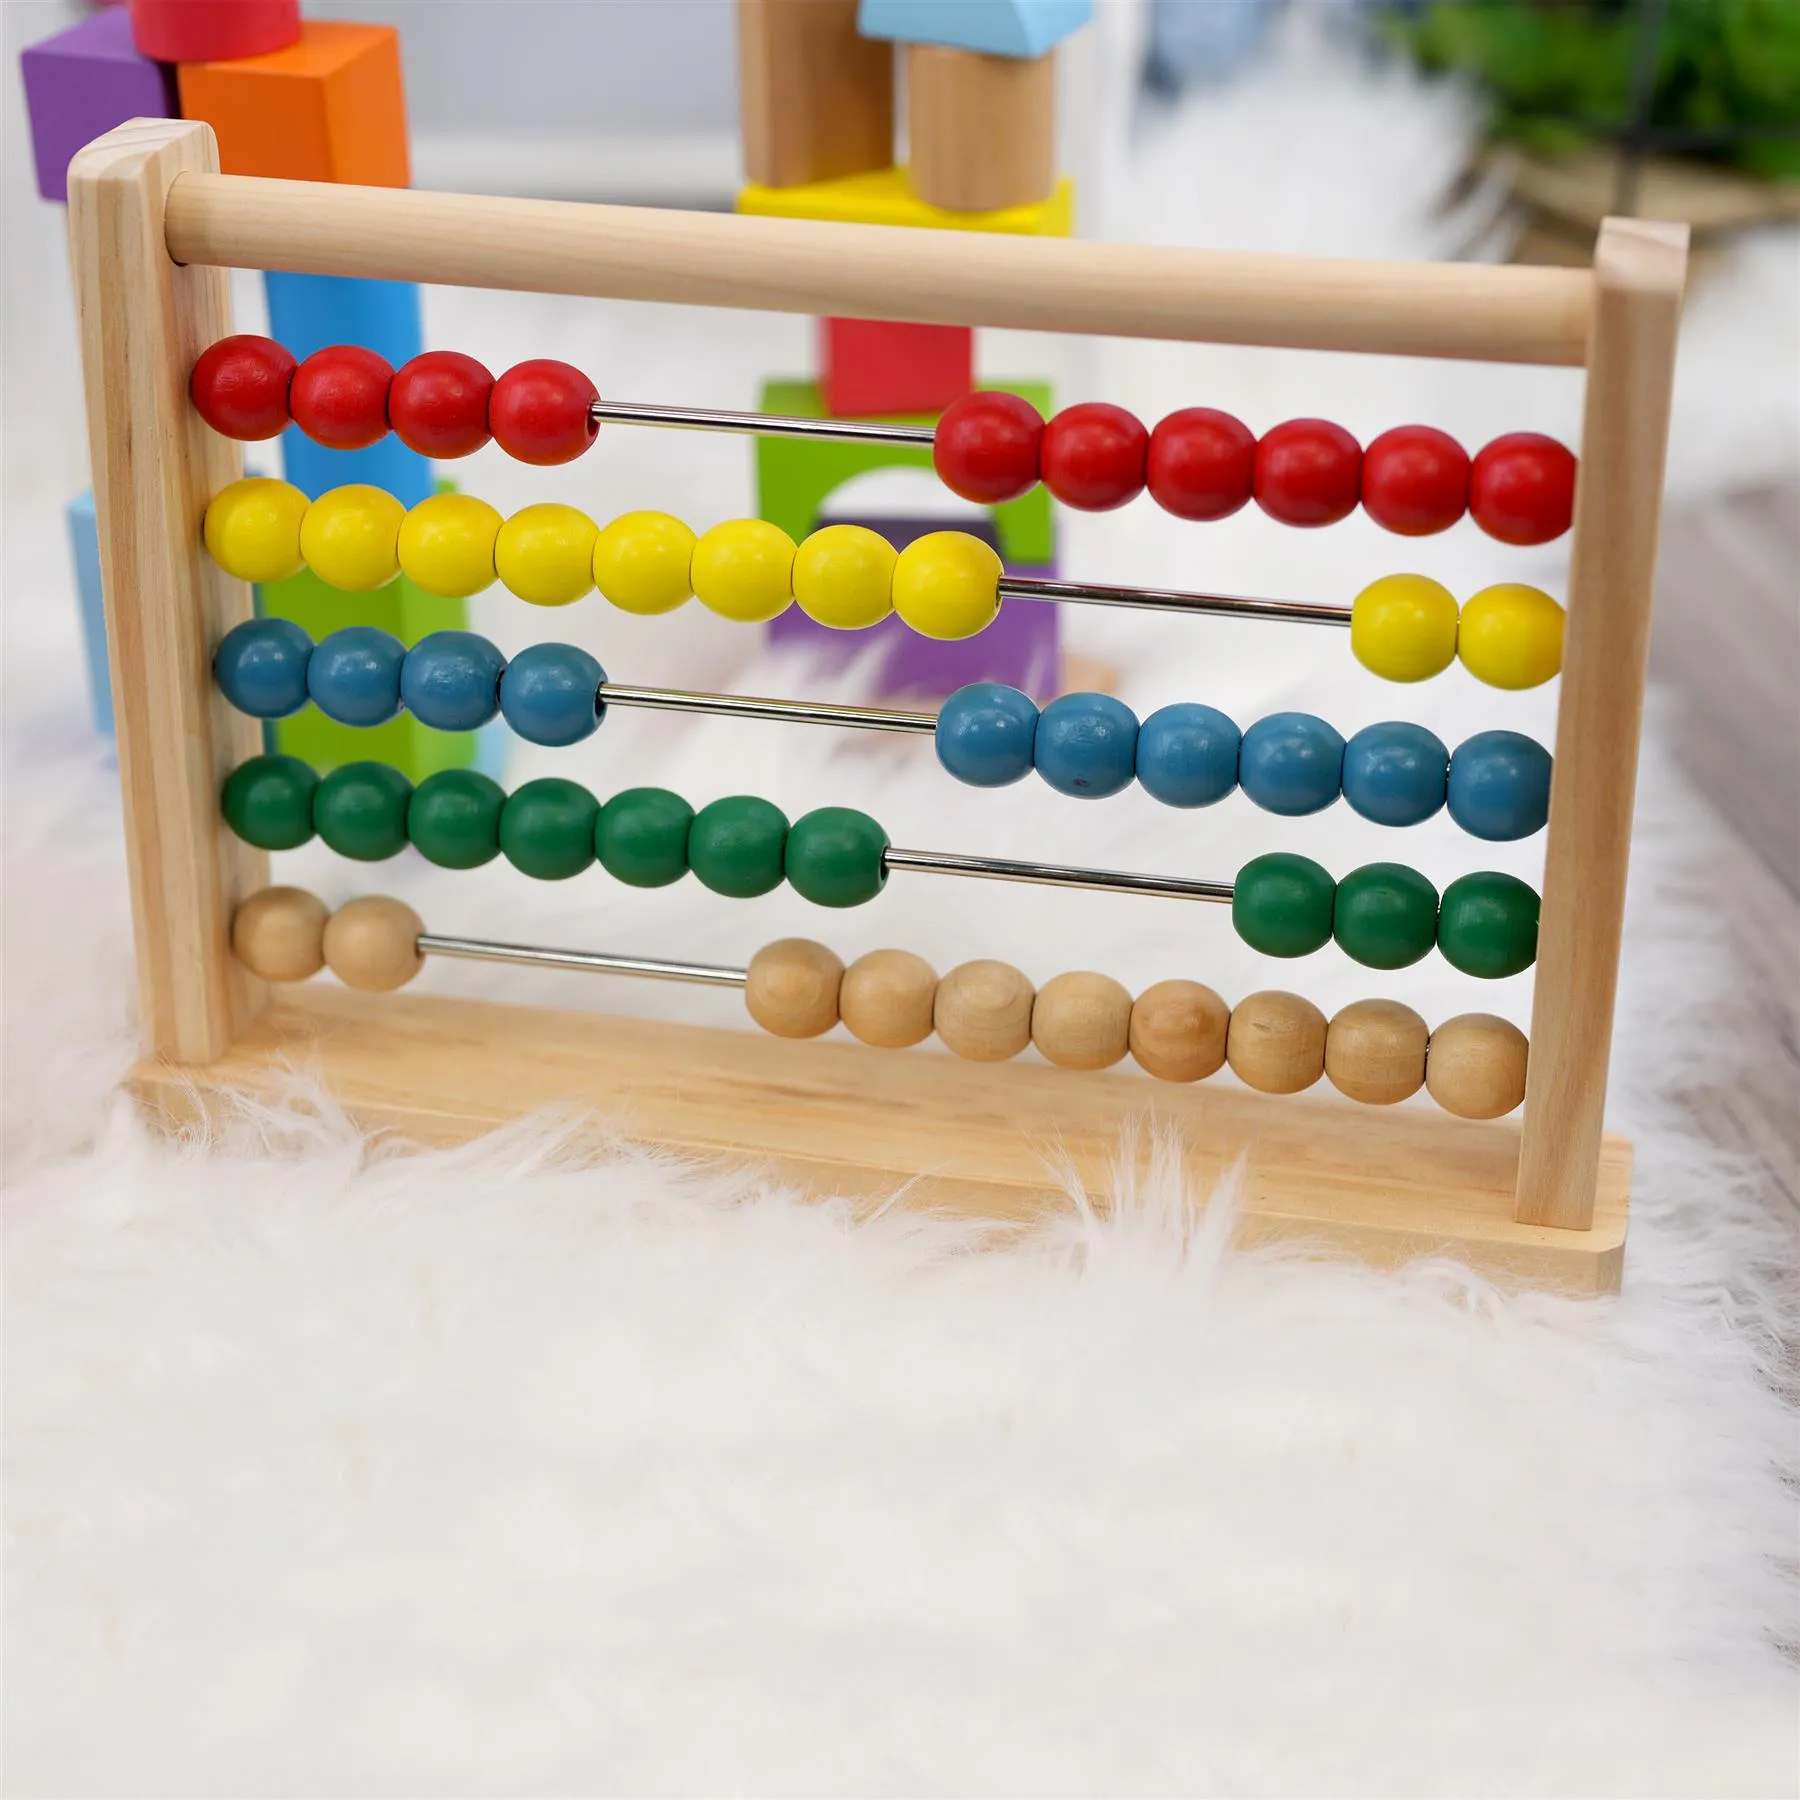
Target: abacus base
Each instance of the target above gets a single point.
(982, 1140)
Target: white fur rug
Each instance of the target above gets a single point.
(335, 1471)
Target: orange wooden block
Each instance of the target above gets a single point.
(329, 108)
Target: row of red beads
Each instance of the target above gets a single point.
(989, 447)
(441, 404)
(1203, 464)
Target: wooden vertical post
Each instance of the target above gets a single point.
(1639, 269)
(144, 319)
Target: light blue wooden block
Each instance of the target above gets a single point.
(994, 27)
(307, 312)
(84, 543)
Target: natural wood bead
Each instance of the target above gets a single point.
(793, 988)
(1276, 1042)
(887, 998)
(1375, 1051)
(1475, 1066)
(373, 943)
(279, 933)
(983, 1011)
(1081, 1020)
(1178, 1030)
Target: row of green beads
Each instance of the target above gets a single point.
(1386, 916)
(553, 829)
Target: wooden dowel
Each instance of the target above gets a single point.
(143, 322)
(1480, 311)
(1639, 270)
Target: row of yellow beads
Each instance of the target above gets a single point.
(944, 585)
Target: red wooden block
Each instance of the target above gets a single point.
(870, 366)
(178, 31)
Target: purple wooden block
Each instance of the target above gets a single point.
(83, 82)
(1021, 647)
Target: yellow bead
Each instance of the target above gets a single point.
(1511, 636)
(350, 537)
(252, 529)
(1403, 627)
(642, 562)
(447, 545)
(844, 577)
(744, 570)
(545, 554)
(947, 585)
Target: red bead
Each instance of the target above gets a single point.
(240, 386)
(1522, 488)
(339, 396)
(1201, 464)
(1308, 472)
(1093, 456)
(986, 447)
(438, 404)
(1415, 480)
(538, 412)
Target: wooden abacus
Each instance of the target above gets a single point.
(1543, 1198)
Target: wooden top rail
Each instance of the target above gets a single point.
(1479, 311)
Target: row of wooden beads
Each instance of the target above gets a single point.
(1375, 1051)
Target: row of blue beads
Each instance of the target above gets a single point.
(1497, 785)
(451, 680)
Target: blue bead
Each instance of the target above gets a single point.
(1086, 745)
(1500, 786)
(985, 732)
(354, 675)
(451, 680)
(550, 695)
(260, 667)
(1291, 763)
(1394, 773)
(1188, 755)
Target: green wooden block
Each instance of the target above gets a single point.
(795, 476)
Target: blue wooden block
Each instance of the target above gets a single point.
(993, 27)
(308, 312)
(84, 543)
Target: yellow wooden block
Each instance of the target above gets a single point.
(883, 197)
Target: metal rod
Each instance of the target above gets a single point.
(597, 962)
(1105, 881)
(707, 418)
(1304, 612)
(745, 706)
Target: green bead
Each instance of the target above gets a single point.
(735, 846)
(268, 801)
(1385, 915)
(547, 828)
(454, 818)
(360, 810)
(642, 837)
(1281, 904)
(1488, 925)
(834, 856)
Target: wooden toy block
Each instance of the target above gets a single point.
(84, 551)
(981, 129)
(869, 366)
(193, 31)
(885, 197)
(330, 107)
(1415, 1155)
(816, 97)
(796, 476)
(990, 27)
(83, 82)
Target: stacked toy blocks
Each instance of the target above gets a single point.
(817, 82)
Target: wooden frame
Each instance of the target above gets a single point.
(1543, 1199)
